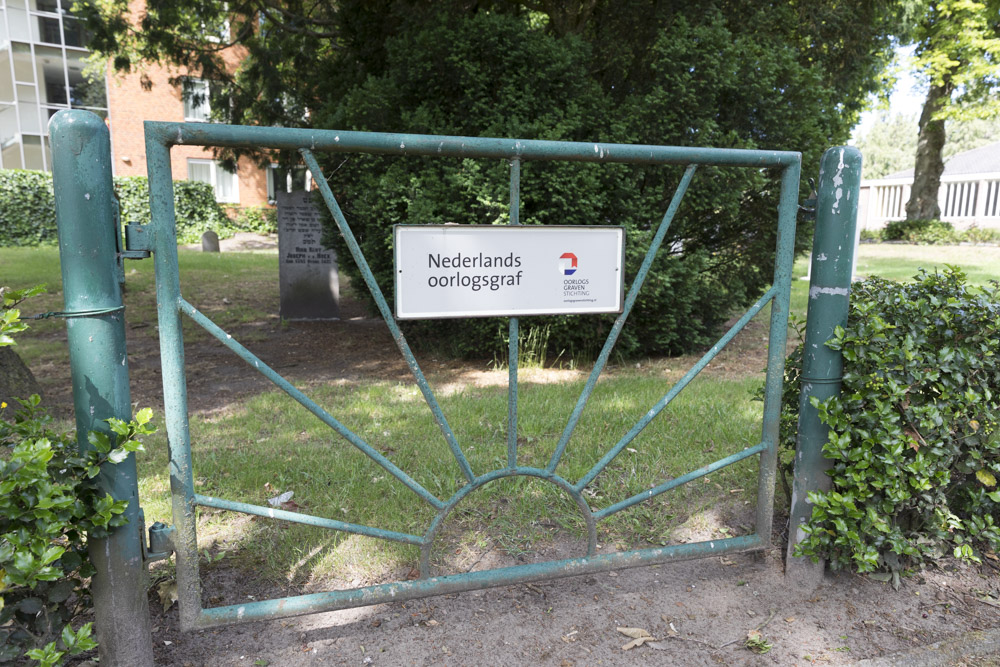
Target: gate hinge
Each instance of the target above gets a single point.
(138, 241)
(161, 542)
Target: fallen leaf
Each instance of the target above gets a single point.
(790, 619)
(279, 500)
(431, 623)
(634, 633)
(636, 642)
(167, 590)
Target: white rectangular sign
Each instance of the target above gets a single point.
(486, 270)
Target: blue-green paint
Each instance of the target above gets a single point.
(512, 338)
(602, 358)
(822, 367)
(160, 236)
(88, 253)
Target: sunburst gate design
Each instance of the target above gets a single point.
(160, 137)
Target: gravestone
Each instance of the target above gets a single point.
(307, 272)
(210, 242)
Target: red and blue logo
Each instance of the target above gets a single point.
(567, 268)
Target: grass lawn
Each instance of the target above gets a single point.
(264, 444)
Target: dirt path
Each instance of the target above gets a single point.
(699, 611)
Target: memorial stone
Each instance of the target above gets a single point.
(210, 242)
(307, 272)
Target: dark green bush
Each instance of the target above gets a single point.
(27, 208)
(489, 75)
(50, 503)
(28, 215)
(930, 232)
(915, 432)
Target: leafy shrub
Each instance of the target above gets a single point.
(871, 235)
(257, 219)
(28, 214)
(488, 75)
(920, 231)
(977, 234)
(915, 432)
(195, 208)
(50, 503)
(27, 208)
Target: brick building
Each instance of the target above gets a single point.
(42, 70)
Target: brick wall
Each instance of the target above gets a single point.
(129, 105)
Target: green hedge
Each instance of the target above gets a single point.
(915, 433)
(28, 216)
(27, 208)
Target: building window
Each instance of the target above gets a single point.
(225, 183)
(196, 104)
(288, 180)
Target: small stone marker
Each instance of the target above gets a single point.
(307, 272)
(210, 242)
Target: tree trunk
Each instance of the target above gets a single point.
(923, 204)
(16, 380)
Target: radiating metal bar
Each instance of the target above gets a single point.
(213, 134)
(383, 307)
(676, 389)
(512, 342)
(310, 405)
(401, 591)
(788, 207)
(296, 517)
(678, 481)
(633, 292)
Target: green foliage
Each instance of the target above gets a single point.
(891, 143)
(50, 503)
(915, 432)
(488, 75)
(195, 207)
(931, 232)
(257, 219)
(724, 73)
(28, 215)
(27, 208)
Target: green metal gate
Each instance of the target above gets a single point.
(159, 238)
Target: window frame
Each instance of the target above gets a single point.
(214, 169)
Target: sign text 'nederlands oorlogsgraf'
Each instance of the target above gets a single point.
(484, 271)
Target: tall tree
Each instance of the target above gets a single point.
(958, 54)
(772, 74)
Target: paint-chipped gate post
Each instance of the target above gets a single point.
(822, 367)
(91, 274)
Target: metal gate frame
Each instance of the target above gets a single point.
(160, 137)
(159, 238)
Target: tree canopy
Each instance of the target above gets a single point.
(890, 143)
(789, 75)
(958, 55)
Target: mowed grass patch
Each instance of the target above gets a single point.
(232, 288)
(268, 445)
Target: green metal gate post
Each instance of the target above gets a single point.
(89, 254)
(829, 295)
